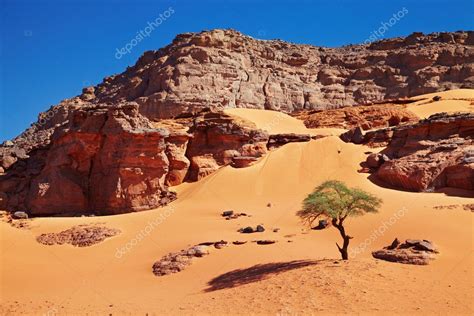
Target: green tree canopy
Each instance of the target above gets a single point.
(335, 201)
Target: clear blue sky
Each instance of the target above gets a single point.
(50, 49)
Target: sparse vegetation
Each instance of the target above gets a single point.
(333, 200)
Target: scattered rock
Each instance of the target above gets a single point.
(236, 215)
(220, 244)
(247, 230)
(466, 207)
(265, 242)
(269, 205)
(239, 242)
(412, 251)
(276, 230)
(79, 236)
(207, 243)
(177, 261)
(436, 98)
(260, 229)
(227, 213)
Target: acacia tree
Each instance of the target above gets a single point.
(334, 201)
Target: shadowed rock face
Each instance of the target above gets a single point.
(224, 68)
(434, 153)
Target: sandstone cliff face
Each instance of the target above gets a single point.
(435, 153)
(367, 117)
(219, 139)
(110, 160)
(112, 149)
(223, 68)
(105, 160)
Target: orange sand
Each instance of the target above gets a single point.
(60, 280)
(459, 100)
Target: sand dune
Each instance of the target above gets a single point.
(459, 100)
(64, 279)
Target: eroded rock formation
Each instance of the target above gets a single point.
(109, 160)
(436, 152)
(224, 68)
(119, 145)
(367, 117)
(412, 251)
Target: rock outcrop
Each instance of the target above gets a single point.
(367, 117)
(110, 160)
(412, 251)
(119, 145)
(220, 139)
(224, 68)
(436, 152)
(104, 161)
(78, 236)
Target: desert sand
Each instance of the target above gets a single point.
(459, 100)
(300, 274)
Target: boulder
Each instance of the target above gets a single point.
(227, 213)
(19, 215)
(247, 230)
(412, 251)
(265, 242)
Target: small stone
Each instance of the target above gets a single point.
(260, 229)
(265, 242)
(227, 213)
(239, 242)
(200, 251)
(247, 230)
(220, 244)
(20, 215)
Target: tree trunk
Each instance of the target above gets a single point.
(345, 238)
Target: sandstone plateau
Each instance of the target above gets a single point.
(118, 146)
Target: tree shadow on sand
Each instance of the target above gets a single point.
(254, 274)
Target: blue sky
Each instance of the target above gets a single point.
(50, 49)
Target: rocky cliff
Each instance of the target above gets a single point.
(119, 145)
(223, 68)
(434, 153)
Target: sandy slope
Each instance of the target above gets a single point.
(459, 100)
(38, 279)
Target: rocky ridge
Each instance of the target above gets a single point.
(119, 145)
(434, 153)
(110, 160)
